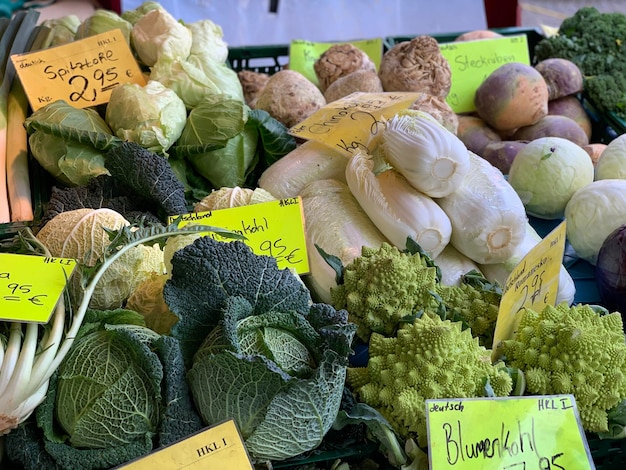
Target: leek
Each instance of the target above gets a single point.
(14, 40)
(18, 178)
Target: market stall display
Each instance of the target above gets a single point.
(413, 236)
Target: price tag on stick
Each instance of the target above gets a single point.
(83, 73)
(533, 283)
(274, 228)
(30, 286)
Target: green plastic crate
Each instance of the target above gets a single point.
(262, 59)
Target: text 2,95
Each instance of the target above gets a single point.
(88, 87)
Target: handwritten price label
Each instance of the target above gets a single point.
(274, 228)
(30, 286)
(220, 446)
(353, 122)
(533, 283)
(83, 73)
(513, 433)
(472, 61)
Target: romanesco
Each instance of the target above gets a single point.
(573, 350)
(383, 285)
(476, 307)
(428, 358)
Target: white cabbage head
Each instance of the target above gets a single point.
(80, 234)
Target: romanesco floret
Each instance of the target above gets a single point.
(477, 308)
(428, 358)
(383, 285)
(573, 350)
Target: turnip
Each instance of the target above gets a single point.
(475, 133)
(553, 126)
(514, 95)
(502, 153)
(562, 76)
(571, 107)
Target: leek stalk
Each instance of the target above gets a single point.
(15, 39)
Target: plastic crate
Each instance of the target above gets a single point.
(262, 59)
(607, 454)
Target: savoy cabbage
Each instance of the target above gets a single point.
(258, 349)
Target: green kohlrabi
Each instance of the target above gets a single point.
(252, 141)
(258, 350)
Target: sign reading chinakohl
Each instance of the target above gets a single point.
(513, 433)
(83, 73)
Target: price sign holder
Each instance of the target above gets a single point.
(353, 122)
(274, 228)
(303, 54)
(473, 61)
(219, 446)
(533, 284)
(512, 433)
(83, 73)
(30, 286)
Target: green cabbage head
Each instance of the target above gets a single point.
(151, 115)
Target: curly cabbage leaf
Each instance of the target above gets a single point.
(206, 272)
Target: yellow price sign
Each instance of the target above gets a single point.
(353, 122)
(533, 284)
(512, 433)
(220, 446)
(303, 54)
(274, 228)
(83, 73)
(30, 286)
(471, 62)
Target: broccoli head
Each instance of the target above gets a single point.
(596, 43)
(573, 350)
(428, 358)
(383, 285)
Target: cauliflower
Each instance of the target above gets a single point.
(383, 285)
(573, 350)
(429, 358)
